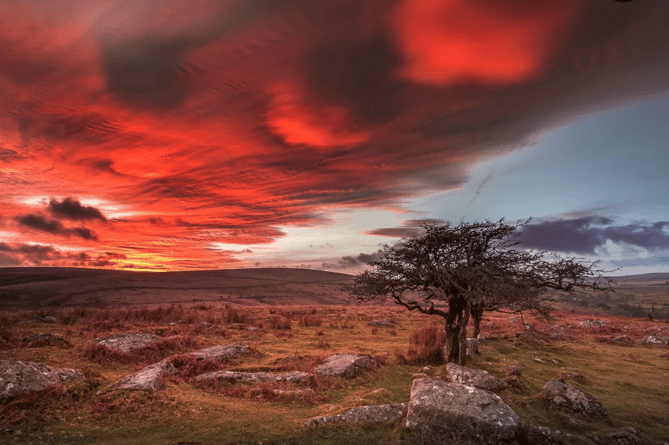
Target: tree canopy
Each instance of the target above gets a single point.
(471, 268)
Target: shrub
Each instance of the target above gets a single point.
(278, 322)
(425, 347)
(310, 320)
(233, 315)
(189, 366)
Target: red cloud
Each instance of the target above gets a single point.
(446, 41)
(242, 118)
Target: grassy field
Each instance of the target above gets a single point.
(631, 382)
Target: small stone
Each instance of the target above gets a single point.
(221, 352)
(386, 323)
(149, 378)
(655, 340)
(589, 323)
(622, 340)
(481, 339)
(472, 348)
(371, 413)
(345, 364)
(256, 377)
(127, 342)
(568, 398)
(39, 340)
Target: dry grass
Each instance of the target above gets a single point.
(630, 381)
(426, 347)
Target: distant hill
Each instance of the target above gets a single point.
(41, 287)
(36, 287)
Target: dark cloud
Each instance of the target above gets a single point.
(357, 74)
(38, 254)
(84, 233)
(40, 223)
(54, 227)
(583, 235)
(72, 209)
(349, 262)
(36, 250)
(7, 155)
(148, 72)
(649, 237)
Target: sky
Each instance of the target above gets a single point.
(205, 134)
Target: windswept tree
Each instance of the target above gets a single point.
(469, 269)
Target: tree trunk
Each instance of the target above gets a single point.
(477, 316)
(462, 336)
(452, 328)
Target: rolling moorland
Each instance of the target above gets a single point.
(292, 320)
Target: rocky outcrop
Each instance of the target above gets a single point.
(447, 412)
(566, 397)
(373, 413)
(474, 377)
(148, 379)
(18, 377)
(127, 342)
(655, 340)
(298, 377)
(345, 365)
(221, 352)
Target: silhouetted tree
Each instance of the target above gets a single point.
(471, 268)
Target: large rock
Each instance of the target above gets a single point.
(345, 364)
(373, 413)
(562, 395)
(474, 377)
(655, 340)
(221, 352)
(255, 377)
(148, 379)
(127, 342)
(447, 412)
(18, 377)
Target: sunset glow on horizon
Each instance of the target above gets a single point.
(173, 135)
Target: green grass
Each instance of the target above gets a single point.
(631, 382)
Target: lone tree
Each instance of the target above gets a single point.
(471, 268)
